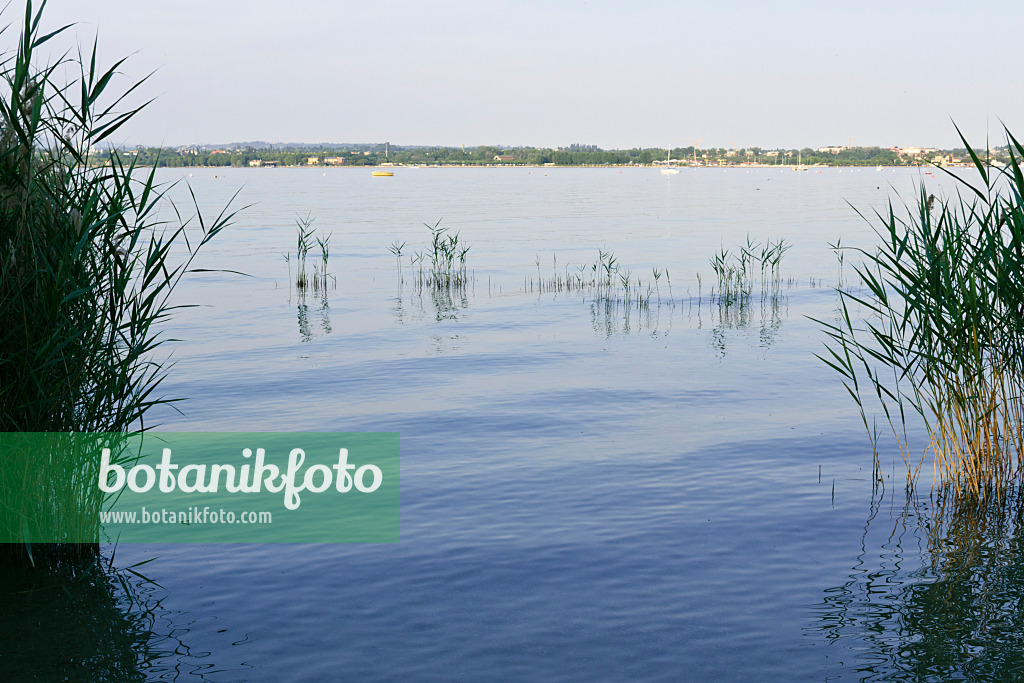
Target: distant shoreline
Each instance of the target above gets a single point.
(546, 167)
(574, 156)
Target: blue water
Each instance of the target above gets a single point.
(674, 493)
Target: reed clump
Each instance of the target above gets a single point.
(735, 272)
(609, 283)
(943, 338)
(306, 239)
(442, 267)
(86, 272)
(604, 279)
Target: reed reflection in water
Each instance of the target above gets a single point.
(956, 614)
(93, 622)
(310, 329)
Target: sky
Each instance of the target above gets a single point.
(551, 73)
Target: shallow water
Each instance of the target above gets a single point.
(588, 491)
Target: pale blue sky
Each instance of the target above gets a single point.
(613, 74)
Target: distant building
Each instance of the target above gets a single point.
(334, 161)
(504, 158)
(835, 149)
(256, 162)
(913, 151)
(313, 161)
(219, 151)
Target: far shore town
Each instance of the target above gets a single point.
(270, 155)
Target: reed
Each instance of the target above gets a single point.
(943, 338)
(305, 239)
(447, 258)
(320, 275)
(837, 249)
(734, 284)
(608, 282)
(396, 248)
(86, 274)
(735, 272)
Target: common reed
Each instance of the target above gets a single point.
(305, 239)
(608, 282)
(320, 275)
(396, 248)
(86, 274)
(735, 271)
(943, 334)
(447, 255)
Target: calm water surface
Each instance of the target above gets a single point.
(588, 491)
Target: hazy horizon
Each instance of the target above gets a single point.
(784, 75)
(330, 144)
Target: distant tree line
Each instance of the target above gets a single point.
(572, 155)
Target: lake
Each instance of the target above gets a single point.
(590, 489)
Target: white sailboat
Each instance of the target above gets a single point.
(800, 163)
(669, 168)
